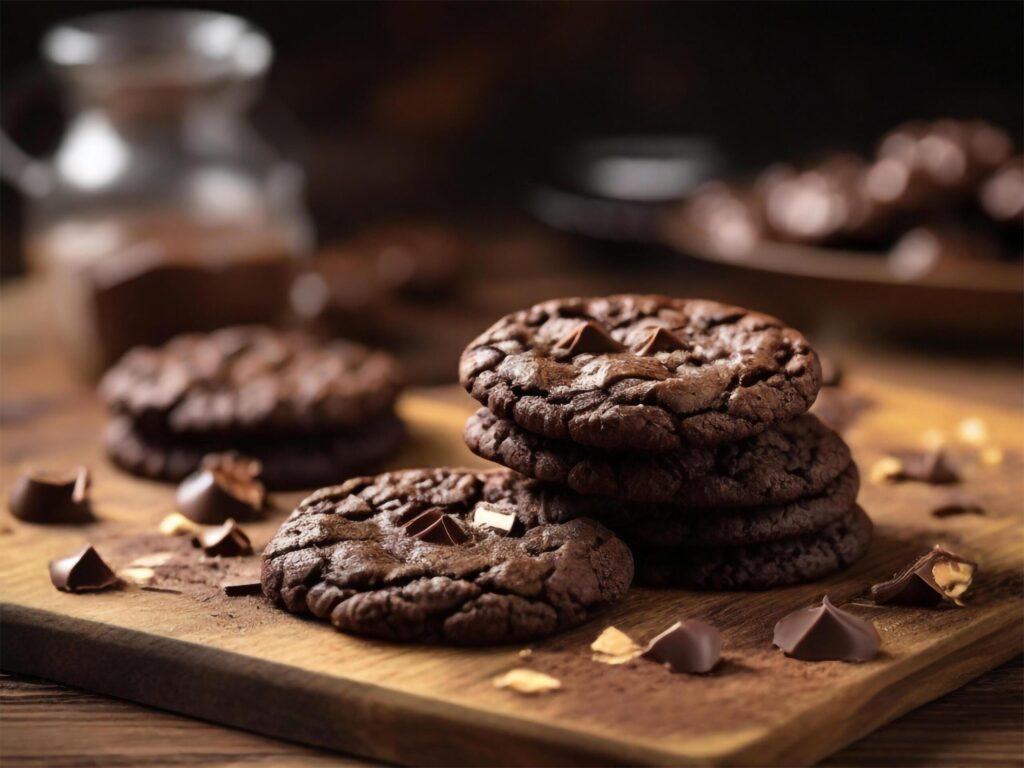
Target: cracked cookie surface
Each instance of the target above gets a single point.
(344, 555)
(788, 461)
(251, 379)
(646, 373)
(759, 566)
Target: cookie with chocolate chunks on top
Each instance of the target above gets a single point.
(646, 373)
(404, 556)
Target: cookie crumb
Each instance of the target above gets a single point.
(527, 682)
(526, 653)
(613, 646)
(176, 524)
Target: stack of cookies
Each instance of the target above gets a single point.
(680, 424)
(311, 413)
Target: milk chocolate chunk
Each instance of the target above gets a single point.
(588, 338)
(83, 571)
(227, 486)
(242, 587)
(824, 632)
(51, 497)
(495, 519)
(692, 647)
(227, 540)
(931, 466)
(660, 340)
(436, 527)
(937, 576)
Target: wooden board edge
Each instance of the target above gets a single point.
(336, 714)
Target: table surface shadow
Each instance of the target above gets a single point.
(45, 724)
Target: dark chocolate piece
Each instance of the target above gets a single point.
(436, 527)
(660, 340)
(83, 571)
(496, 519)
(687, 646)
(935, 577)
(227, 540)
(227, 486)
(930, 466)
(51, 497)
(588, 338)
(242, 587)
(824, 632)
(958, 503)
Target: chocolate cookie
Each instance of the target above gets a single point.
(759, 566)
(442, 556)
(289, 462)
(251, 380)
(785, 462)
(660, 525)
(645, 373)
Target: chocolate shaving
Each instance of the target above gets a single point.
(242, 587)
(692, 647)
(935, 577)
(824, 632)
(84, 571)
(588, 338)
(227, 540)
(660, 340)
(51, 497)
(929, 466)
(227, 486)
(435, 526)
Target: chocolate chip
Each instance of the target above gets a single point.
(588, 338)
(226, 486)
(227, 540)
(660, 340)
(51, 497)
(242, 587)
(495, 519)
(958, 503)
(824, 632)
(83, 571)
(937, 576)
(436, 527)
(692, 647)
(930, 466)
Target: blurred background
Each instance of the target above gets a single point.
(404, 173)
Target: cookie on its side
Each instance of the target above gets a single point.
(422, 556)
(789, 461)
(641, 373)
(759, 566)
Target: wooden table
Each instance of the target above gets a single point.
(980, 724)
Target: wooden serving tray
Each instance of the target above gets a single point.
(241, 662)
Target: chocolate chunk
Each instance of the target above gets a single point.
(227, 540)
(495, 519)
(227, 486)
(242, 587)
(660, 340)
(935, 577)
(958, 503)
(51, 497)
(83, 571)
(930, 466)
(824, 632)
(588, 338)
(687, 646)
(436, 527)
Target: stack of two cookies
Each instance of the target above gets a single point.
(682, 426)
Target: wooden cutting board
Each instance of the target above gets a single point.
(241, 662)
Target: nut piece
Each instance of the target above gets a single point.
(176, 524)
(953, 578)
(138, 576)
(613, 646)
(527, 682)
